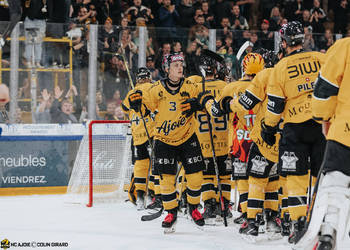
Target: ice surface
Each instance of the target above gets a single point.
(110, 227)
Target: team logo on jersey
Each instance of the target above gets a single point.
(259, 165)
(273, 171)
(239, 168)
(160, 94)
(228, 164)
(168, 125)
(289, 161)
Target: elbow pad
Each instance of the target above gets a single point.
(248, 100)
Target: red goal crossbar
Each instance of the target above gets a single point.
(91, 124)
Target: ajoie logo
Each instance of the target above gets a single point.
(23, 161)
(289, 160)
(259, 164)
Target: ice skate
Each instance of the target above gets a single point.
(169, 223)
(209, 212)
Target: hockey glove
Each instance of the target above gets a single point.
(225, 104)
(203, 97)
(268, 133)
(190, 106)
(135, 100)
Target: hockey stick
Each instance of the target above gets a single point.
(222, 204)
(147, 133)
(239, 55)
(156, 215)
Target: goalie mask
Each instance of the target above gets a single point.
(208, 64)
(143, 73)
(293, 33)
(252, 63)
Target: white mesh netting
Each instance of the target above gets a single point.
(111, 164)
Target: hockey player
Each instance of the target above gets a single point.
(140, 137)
(330, 102)
(289, 95)
(239, 124)
(263, 158)
(175, 138)
(210, 194)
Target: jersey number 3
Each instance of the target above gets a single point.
(173, 106)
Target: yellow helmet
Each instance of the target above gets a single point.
(252, 63)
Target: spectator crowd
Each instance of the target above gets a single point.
(172, 25)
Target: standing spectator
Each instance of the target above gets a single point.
(165, 50)
(254, 39)
(116, 98)
(192, 57)
(111, 9)
(109, 36)
(168, 17)
(340, 18)
(221, 9)
(224, 29)
(199, 32)
(111, 106)
(325, 41)
(58, 12)
(138, 10)
(150, 64)
(309, 43)
(266, 36)
(245, 6)
(115, 77)
(306, 18)
(318, 17)
(238, 22)
(275, 19)
(208, 15)
(186, 12)
(119, 114)
(128, 49)
(265, 7)
(4, 11)
(34, 28)
(63, 112)
(176, 47)
(42, 113)
(294, 10)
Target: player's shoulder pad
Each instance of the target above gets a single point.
(194, 79)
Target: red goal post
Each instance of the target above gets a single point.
(103, 164)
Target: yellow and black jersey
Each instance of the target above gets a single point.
(219, 124)
(171, 127)
(195, 79)
(240, 121)
(331, 98)
(138, 131)
(255, 97)
(290, 87)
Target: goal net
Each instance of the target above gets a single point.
(103, 166)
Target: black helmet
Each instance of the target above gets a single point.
(269, 56)
(208, 64)
(293, 33)
(143, 73)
